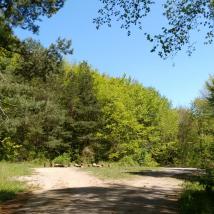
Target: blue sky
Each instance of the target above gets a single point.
(110, 50)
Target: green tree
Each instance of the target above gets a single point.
(205, 129)
(39, 62)
(188, 138)
(210, 92)
(33, 116)
(83, 111)
(133, 116)
(23, 14)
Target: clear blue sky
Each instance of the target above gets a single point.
(110, 50)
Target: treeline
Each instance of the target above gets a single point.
(49, 108)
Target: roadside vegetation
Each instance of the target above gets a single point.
(9, 186)
(196, 199)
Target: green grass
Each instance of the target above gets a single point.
(8, 186)
(116, 172)
(196, 200)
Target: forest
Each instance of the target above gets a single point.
(53, 111)
(50, 108)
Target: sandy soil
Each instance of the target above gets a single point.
(70, 190)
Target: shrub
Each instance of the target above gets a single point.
(62, 159)
(195, 199)
(127, 161)
(10, 150)
(87, 155)
(148, 161)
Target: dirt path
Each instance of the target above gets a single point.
(72, 191)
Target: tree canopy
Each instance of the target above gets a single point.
(50, 108)
(183, 17)
(210, 90)
(23, 14)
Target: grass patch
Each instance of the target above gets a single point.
(196, 200)
(9, 187)
(116, 172)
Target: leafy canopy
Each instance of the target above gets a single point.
(183, 17)
(24, 14)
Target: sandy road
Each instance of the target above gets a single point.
(70, 190)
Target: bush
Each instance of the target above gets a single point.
(208, 179)
(63, 159)
(127, 161)
(10, 150)
(148, 161)
(87, 156)
(195, 199)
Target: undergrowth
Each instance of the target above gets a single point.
(9, 186)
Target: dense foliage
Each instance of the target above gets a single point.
(50, 108)
(23, 14)
(196, 134)
(195, 199)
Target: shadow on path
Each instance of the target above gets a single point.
(115, 199)
(179, 173)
